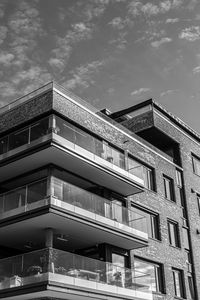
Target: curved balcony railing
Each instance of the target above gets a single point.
(71, 269)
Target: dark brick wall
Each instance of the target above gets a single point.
(140, 122)
(191, 180)
(26, 111)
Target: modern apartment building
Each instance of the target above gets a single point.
(97, 205)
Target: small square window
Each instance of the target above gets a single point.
(169, 188)
(178, 283)
(173, 234)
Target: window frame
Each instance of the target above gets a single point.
(158, 272)
(153, 216)
(170, 190)
(195, 159)
(181, 283)
(176, 237)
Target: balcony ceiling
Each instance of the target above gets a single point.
(103, 176)
(80, 234)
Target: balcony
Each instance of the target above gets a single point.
(107, 221)
(68, 146)
(65, 272)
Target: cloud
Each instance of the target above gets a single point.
(83, 76)
(196, 70)
(171, 21)
(164, 40)
(3, 33)
(60, 55)
(191, 33)
(119, 23)
(136, 8)
(6, 59)
(168, 92)
(120, 42)
(140, 91)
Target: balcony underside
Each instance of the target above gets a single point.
(74, 162)
(80, 231)
(60, 287)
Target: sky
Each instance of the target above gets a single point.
(111, 53)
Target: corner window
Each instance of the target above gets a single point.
(196, 165)
(152, 222)
(168, 188)
(178, 283)
(155, 274)
(173, 234)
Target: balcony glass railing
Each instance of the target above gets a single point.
(97, 149)
(24, 136)
(59, 266)
(110, 209)
(34, 195)
(21, 198)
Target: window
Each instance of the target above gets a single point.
(152, 222)
(198, 202)
(196, 165)
(178, 283)
(154, 272)
(179, 179)
(191, 287)
(169, 188)
(148, 179)
(173, 234)
(186, 238)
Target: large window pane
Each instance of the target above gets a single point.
(14, 199)
(154, 281)
(39, 129)
(37, 191)
(18, 139)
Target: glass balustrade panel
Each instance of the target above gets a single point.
(14, 199)
(36, 191)
(39, 129)
(29, 267)
(3, 145)
(18, 139)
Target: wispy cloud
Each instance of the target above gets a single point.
(164, 40)
(172, 21)
(196, 70)
(3, 33)
(83, 76)
(140, 91)
(60, 55)
(149, 9)
(6, 59)
(191, 33)
(168, 92)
